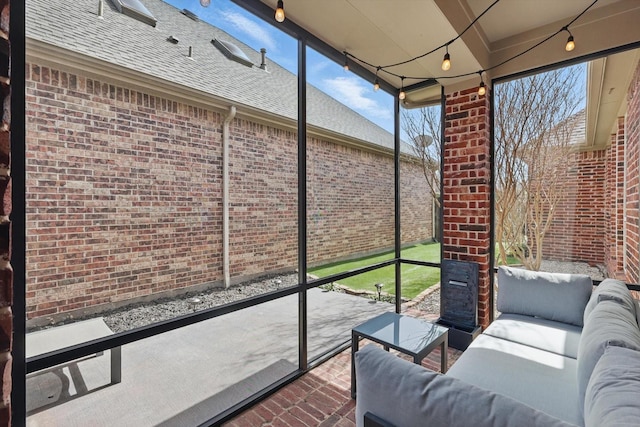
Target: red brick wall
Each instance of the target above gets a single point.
(416, 204)
(578, 228)
(122, 193)
(467, 187)
(350, 201)
(6, 276)
(614, 204)
(632, 165)
(263, 211)
(124, 196)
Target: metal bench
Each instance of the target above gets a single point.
(51, 339)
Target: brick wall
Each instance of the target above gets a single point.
(416, 204)
(124, 196)
(467, 187)
(350, 201)
(632, 165)
(6, 276)
(578, 228)
(263, 210)
(614, 204)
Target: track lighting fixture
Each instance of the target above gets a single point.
(402, 95)
(280, 11)
(446, 62)
(570, 43)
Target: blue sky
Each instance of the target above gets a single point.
(323, 73)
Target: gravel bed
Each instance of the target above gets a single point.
(142, 314)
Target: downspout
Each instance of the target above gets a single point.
(225, 195)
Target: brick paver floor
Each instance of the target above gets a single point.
(321, 397)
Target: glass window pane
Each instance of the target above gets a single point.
(125, 196)
(350, 207)
(554, 182)
(183, 377)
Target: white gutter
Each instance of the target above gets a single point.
(225, 195)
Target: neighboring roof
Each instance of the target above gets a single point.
(578, 128)
(130, 43)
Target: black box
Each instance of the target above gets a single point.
(460, 336)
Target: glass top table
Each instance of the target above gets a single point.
(408, 335)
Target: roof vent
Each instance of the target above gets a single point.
(173, 40)
(190, 14)
(136, 10)
(232, 52)
(263, 53)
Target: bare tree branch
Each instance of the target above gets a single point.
(424, 129)
(534, 121)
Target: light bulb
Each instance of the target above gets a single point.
(280, 11)
(205, 3)
(482, 89)
(570, 44)
(402, 95)
(376, 84)
(346, 65)
(446, 62)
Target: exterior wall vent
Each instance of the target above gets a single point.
(136, 10)
(190, 14)
(232, 52)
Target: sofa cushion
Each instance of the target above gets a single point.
(610, 289)
(609, 323)
(556, 337)
(612, 393)
(537, 378)
(553, 296)
(408, 395)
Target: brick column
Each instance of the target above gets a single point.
(6, 273)
(467, 187)
(614, 204)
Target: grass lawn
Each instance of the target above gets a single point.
(415, 278)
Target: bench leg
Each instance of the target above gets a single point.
(116, 365)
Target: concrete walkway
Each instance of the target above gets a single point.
(186, 376)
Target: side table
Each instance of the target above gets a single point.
(408, 335)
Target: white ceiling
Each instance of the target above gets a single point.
(383, 32)
(524, 15)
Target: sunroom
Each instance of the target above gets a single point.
(135, 177)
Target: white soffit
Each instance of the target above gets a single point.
(608, 80)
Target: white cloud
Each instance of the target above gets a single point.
(318, 67)
(252, 29)
(352, 92)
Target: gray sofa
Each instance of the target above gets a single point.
(560, 354)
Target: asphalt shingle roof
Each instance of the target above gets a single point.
(127, 42)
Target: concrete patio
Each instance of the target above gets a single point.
(186, 376)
